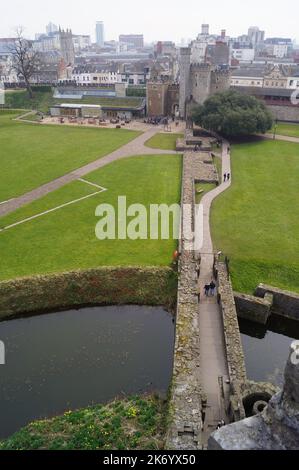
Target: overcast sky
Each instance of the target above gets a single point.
(156, 19)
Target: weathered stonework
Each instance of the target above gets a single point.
(285, 303)
(275, 428)
(185, 409)
(253, 308)
(232, 337)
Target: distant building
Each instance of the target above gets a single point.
(268, 76)
(165, 48)
(255, 35)
(81, 42)
(279, 47)
(134, 40)
(100, 37)
(51, 28)
(218, 54)
(242, 54)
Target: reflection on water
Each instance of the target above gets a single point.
(68, 360)
(266, 348)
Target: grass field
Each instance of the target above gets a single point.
(163, 141)
(65, 239)
(256, 221)
(288, 129)
(205, 188)
(32, 155)
(42, 100)
(132, 423)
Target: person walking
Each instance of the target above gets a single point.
(228, 176)
(224, 177)
(212, 288)
(207, 290)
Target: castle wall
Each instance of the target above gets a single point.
(285, 113)
(200, 82)
(220, 81)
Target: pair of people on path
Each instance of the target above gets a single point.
(226, 177)
(210, 289)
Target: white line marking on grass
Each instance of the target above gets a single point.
(4, 202)
(92, 184)
(52, 210)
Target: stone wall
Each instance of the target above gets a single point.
(101, 286)
(232, 338)
(285, 113)
(285, 303)
(252, 308)
(185, 408)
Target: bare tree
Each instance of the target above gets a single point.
(25, 61)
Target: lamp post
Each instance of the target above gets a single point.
(275, 129)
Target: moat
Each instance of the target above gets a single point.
(265, 348)
(67, 360)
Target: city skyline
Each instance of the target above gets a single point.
(180, 23)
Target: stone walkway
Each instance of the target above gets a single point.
(135, 147)
(212, 349)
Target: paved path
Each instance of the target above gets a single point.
(286, 138)
(212, 348)
(135, 147)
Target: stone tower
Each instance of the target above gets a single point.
(184, 63)
(200, 78)
(66, 46)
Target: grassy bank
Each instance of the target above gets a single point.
(43, 100)
(255, 222)
(132, 423)
(101, 286)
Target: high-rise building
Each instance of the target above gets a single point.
(256, 36)
(51, 28)
(100, 33)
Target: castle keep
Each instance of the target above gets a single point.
(199, 80)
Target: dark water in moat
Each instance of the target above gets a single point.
(266, 349)
(67, 360)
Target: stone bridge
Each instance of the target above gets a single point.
(209, 376)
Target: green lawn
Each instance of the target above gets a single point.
(205, 188)
(42, 100)
(256, 222)
(32, 155)
(163, 141)
(132, 423)
(288, 129)
(65, 240)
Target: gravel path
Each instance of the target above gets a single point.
(212, 349)
(135, 147)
